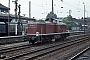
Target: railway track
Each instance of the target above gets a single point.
(43, 52)
(35, 55)
(33, 52)
(14, 48)
(66, 53)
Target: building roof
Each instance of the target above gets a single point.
(4, 8)
(4, 18)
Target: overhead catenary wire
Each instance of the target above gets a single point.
(45, 6)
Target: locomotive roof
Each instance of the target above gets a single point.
(46, 23)
(36, 23)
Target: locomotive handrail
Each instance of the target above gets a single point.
(49, 33)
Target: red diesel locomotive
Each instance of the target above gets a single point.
(46, 32)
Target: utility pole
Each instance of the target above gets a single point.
(69, 12)
(52, 7)
(84, 17)
(29, 9)
(19, 21)
(8, 16)
(15, 15)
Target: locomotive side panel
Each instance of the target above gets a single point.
(56, 27)
(60, 28)
(50, 28)
(41, 28)
(32, 28)
(63, 27)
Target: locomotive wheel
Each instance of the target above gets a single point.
(33, 43)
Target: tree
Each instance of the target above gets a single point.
(69, 22)
(51, 15)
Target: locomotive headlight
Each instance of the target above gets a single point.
(37, 33)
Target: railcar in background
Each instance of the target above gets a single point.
(12, 28)
(84, 27)
(3, 29)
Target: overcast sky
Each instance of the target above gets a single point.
(40, 8)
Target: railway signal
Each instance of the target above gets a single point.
(19, 21)
(62, 0)
(16, 15)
